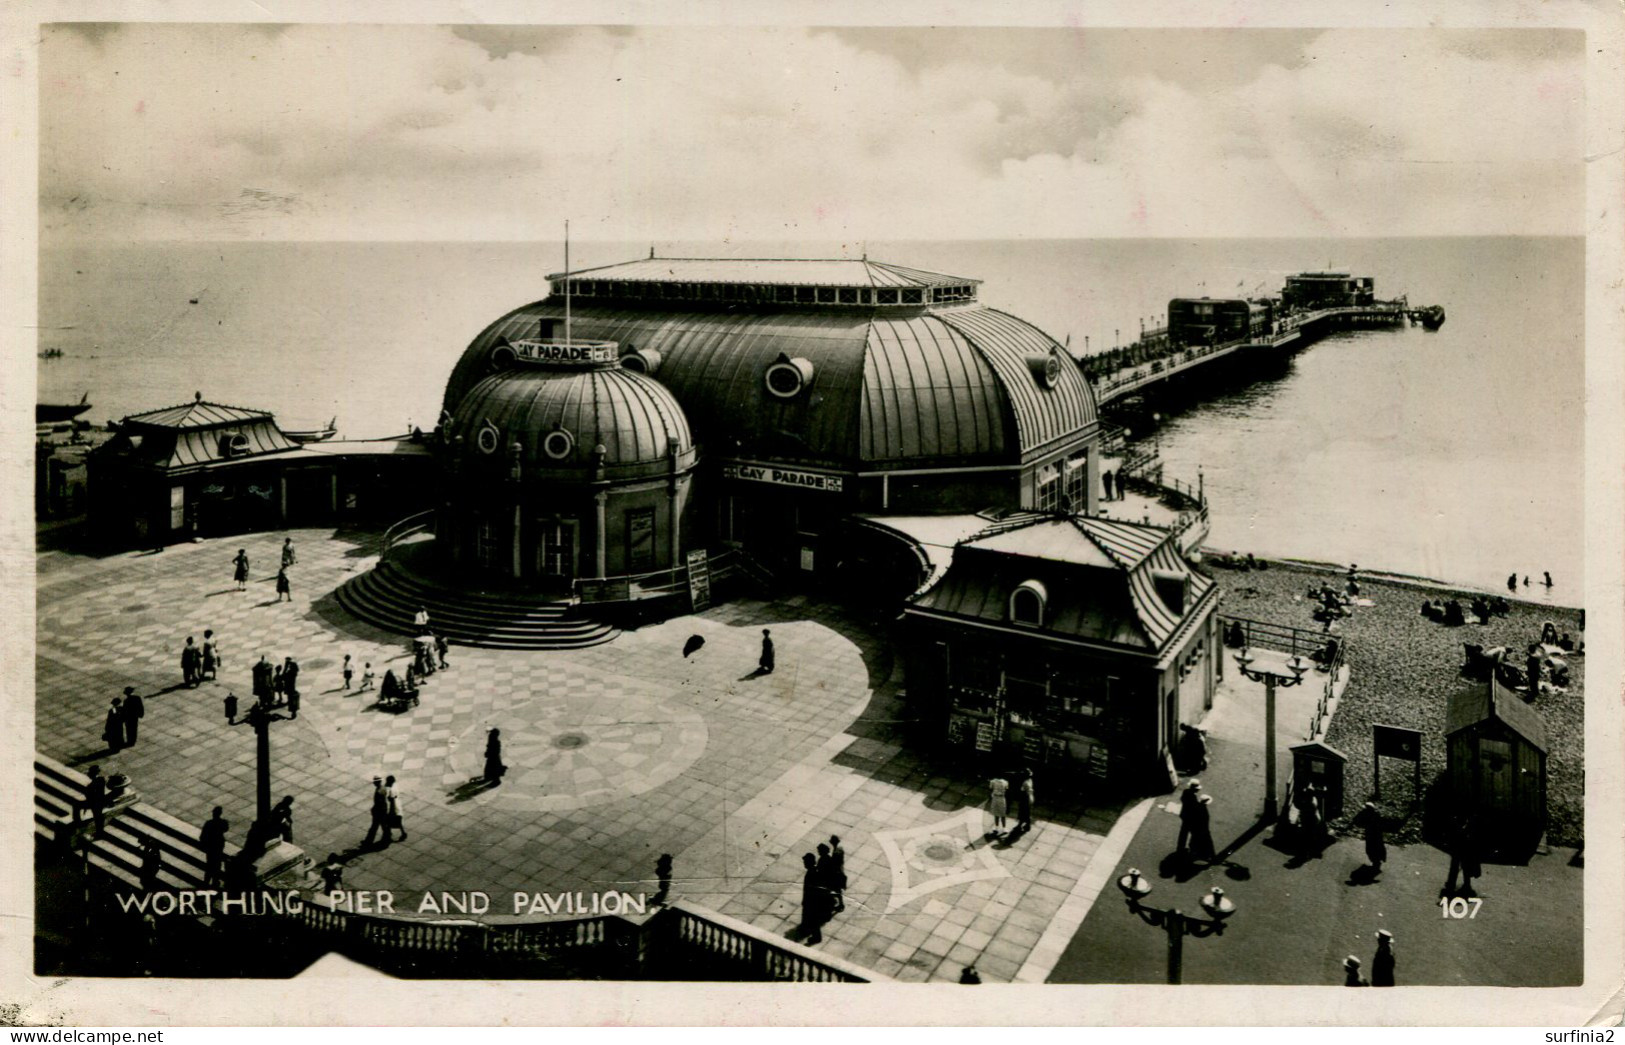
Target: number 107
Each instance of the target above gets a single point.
(1456, 907)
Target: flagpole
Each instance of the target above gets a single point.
(566, 280)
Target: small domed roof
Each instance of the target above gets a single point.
(560, 417)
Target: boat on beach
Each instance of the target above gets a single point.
(314, 435)
(47, 412)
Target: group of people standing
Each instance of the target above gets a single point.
(277, 685)
(823, 888)
(200, 663)
(123, 723)
(240, 566)
(998, 803)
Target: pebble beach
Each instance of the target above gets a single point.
(1404, 669)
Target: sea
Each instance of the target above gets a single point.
(1456, 455)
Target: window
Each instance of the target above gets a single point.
(1027, 604)
(886, 297)
(1049, 488)
(557, 444)
(826, 295)
(788, 377)
(849, 295)
(913, 297)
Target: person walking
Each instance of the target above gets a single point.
(1382, 964)
(1351, 973)
(997, 789)
(239, 571)
(332, 872)
(95, 800)
(212, 840)
(288, 557)
(1188, 799)
(1201, 830)
(1106, 483)
(278, 686)
(837, 865)
(152, 865)
(1512, 583)
(282, 819)
(765, 664)
(282, 585)
(1024, 801)
(135, 709)
(379, 812)
(366, 677)
(1463, 859)
(231, 709)
(441, 647)
(293, 702)
(394, 820)
(813, 902)
(189, 663)
(211, 657)
(290, 678)
(493, 758)
(1376, 848)
(113, 727)
(349, 670)
(421, 618)
(662, 878)
(825, 865)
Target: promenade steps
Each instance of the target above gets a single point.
(390, 595)
(129, 824)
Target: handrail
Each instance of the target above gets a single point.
(410, 526)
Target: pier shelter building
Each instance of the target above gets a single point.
(814, 390)
(204, 469)
(1073, 643)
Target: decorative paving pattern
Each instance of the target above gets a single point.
(571, 752)
(936, 856)
(617, 753)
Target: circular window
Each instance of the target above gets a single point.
(558, 443)
(1052, 371)
(502, 357)
(488, 439)
(788, 378)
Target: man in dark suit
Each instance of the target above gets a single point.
(135, 709)
(765, 665)
(380, 812)
(212, 840)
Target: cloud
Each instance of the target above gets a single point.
(475, 133)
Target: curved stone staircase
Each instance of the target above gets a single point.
(390, 594)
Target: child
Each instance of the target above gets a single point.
(231, 709)
(366, 676)
(348, 671)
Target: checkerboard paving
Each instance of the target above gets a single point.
(616, 754)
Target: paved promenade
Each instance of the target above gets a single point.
(617, 753)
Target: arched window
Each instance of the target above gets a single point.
(1027, 604)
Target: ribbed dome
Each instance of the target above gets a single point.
(558, 417)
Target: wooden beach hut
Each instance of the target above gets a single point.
(1496, 765)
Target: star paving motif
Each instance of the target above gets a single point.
(936, 856)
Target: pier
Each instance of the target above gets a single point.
(1155, 359)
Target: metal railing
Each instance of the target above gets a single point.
(1328, 652)
(410, 526)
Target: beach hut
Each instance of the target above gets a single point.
(1496, 765)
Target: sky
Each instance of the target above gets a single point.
(481, 133)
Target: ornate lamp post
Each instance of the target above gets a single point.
(1176, 923)
(1272, 669)
(261, 717)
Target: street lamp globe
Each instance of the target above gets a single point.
(1217, 905)
(1134, 885)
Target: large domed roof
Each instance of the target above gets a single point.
(954, 385)
(559, 417)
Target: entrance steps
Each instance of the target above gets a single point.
(390, 595)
